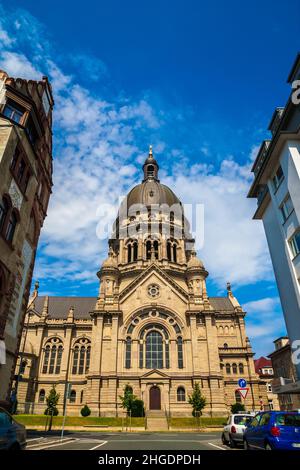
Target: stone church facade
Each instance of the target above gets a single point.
(153, 325)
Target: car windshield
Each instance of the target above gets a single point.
(242, 419)
(288, 420)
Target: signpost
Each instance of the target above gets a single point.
(67, 396)
(243, 389)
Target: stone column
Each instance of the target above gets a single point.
(94, 381)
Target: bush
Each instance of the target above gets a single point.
(137, 408)
(236, 407)
(85, 411)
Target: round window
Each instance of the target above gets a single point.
(153, 290)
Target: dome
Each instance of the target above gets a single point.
(110, 262)
(151, 192)
(194, 263)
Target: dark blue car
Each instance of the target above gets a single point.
(273, 430)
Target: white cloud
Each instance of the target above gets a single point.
(17, 65)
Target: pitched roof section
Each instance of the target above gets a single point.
(221, 304)
(60, 306)
(260, 363)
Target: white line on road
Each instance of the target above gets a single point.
(47, 446)
(218, 447)
(35, 439)
(99, 445)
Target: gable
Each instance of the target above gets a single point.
(154, 274)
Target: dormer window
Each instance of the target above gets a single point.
(13, 111)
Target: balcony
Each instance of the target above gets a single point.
(261, 157)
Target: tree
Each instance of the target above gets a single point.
(128, 398)
(137, 409)
(51, 410)
(236, 407)
(197, 401)
(85, 411)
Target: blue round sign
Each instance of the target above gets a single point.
(242, 383)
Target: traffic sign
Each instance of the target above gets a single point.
(243, 392)
(242, 383)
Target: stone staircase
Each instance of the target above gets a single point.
(156, 421)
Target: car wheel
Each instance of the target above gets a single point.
(246, 445)
(224, 441)
(232, 443)
(268, 446)
(15, 446)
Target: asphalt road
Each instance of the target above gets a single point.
(126, 441)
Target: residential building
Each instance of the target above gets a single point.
(264, 368)
(284, 382)
(276, 186)
(25, 188)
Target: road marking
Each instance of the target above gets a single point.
(214, 445)
(47, 446)
(35, 439)
(99, 445)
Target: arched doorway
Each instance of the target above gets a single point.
(155, 398)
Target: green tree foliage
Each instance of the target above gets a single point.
(131, 403)
(51, 410)
(85, 411)
(237, 407)
(197, 401)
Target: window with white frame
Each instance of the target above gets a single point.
(277, 178)
(294, 243)
(286, 208)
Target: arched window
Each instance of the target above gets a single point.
(81, 356)
(42, 396)
(135, 251)
(128, 353)
(23, 367)
(237, 396)
(180, 352)
(52, 356)
(4, 209)
(228, 369)
(81, 396)
(225, 346)
(11, 226)
(154, 350)
(241, 368)
(169, 251)
(174, 253)
(150, 170)
(180, 394)
(129, 253)
(234, 368)
(148, 249)
(73, 396)
(155, 246)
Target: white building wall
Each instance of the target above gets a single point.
(287, 268)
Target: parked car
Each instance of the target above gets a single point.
(273, 430)
(233, 432)
(12, 434)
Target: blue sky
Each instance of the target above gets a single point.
(199, 82)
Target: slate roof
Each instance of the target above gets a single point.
(262, 362)
(60, 306)
(221, 304)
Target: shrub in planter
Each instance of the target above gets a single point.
(85, 411)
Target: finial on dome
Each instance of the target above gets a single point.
(228, 287)
(150, 151)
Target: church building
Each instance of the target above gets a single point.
(153, 324)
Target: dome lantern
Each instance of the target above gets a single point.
(150, 167)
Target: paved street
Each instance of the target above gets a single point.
(126, 441)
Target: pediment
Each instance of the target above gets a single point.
(161, 275)
(155, 374)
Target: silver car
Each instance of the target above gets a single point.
(12, 434)
(234, 429)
